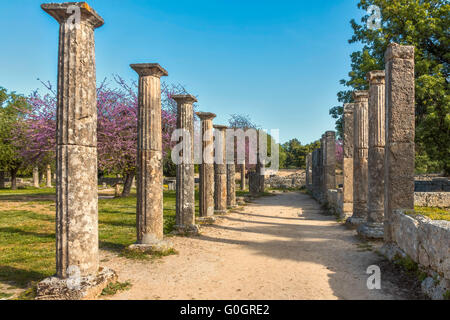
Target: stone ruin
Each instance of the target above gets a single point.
(78, 273)
(378, 195)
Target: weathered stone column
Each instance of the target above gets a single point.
(373, 228)
(220, 170)
(330, 161)
(76, 158)
(231, 185)
(308, 171)
(49, 177)
(315, 173)
(149, 215)
(185, 203)
(400, 131)
(207, 165)
(36, 177)
(322, 157)
(360, 159)
(242, 170)
(347, 207)
(253, 183)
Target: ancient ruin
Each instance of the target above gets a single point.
(207, 166)
(220, 170)
(185, 203)
(76, 172)
(360, 159)
(373, 228)
(149, 212)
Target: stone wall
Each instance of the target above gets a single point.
(432, 199)
(427, 243)
(293, 181)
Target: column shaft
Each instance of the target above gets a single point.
(231, 185)
(360, 159)
(149, 209)
(400, 127)
(207, 165)
(348, 160)
(220, 170)
(185, 200)
(76, 137)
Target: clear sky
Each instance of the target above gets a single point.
(278, 61)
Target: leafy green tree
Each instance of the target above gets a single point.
(424, 24)
(12, 112)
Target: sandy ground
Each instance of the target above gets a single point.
(279, 247)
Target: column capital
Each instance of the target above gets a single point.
(330, 133)
(62, 11)
(184, 98)
(206, 115)
(396, 51)
(149, 69)
(376, 77)
(349, 107)
(361, 96)
(220, 127)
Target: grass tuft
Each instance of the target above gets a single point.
(116, 287)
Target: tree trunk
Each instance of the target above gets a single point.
(13, 173)
(49, 176)
(127, 184)
(2, 179)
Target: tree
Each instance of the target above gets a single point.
(13, 108)
(424, 24)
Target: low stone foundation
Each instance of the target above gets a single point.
(293, 181)
(426, 242)
(432, 199)
(84, 288)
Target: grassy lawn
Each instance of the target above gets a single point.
(27, 232)
(433, 213)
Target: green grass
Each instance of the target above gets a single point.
(27, 231)
(433, 213)
(116, 287)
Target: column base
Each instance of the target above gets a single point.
(206, 220)
(373, 231)
(219, 212)
(84, 288)
(155, 247)
(192, 229)
(354, 222)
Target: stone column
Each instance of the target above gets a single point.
(220, 170)
(185, 191)
(400, 131)
(308, 171)
(347, 207)
(315, 172)
(231, 185)
(322, 157)
(330, 161)
(360, 159)
(207, 165)
(253, 183)
(149, 213)
(373, 228)
(49, 177)
(36, 177)
(242, 170)
(76, 157)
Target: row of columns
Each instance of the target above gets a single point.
(378, 149)
(76, 155)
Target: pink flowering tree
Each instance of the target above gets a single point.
(116, 134)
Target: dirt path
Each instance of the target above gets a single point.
(279, 247)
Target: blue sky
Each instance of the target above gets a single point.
(278, 61)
